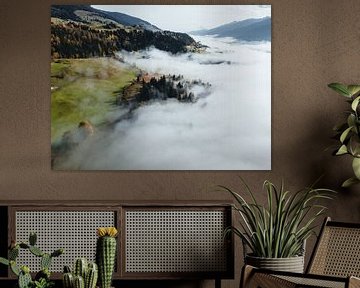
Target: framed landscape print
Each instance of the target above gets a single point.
(161, 87)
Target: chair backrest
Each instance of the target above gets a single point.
(337, 251)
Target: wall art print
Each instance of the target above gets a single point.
(161, 87)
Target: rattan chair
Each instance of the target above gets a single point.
(334, 263)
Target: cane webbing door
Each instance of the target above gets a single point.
(73, 230)
(166, 241)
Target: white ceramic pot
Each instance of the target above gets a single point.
(291, 264)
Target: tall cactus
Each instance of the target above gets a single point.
(106, 254)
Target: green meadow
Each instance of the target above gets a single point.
(84, 89)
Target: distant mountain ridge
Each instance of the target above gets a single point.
(88, 14)
(81, 31)
(254, 29)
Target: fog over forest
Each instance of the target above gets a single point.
(229, 129)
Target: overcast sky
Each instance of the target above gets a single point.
(186, 18)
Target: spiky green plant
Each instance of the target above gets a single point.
(85, 274)
(106, 254)
(279, 229)
(79, 282)
(80, 267)
(91, 275)
(42, 278)
(348, 132)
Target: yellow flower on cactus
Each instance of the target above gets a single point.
(25, 269)
(106, 231)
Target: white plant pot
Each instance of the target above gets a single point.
(291, 264)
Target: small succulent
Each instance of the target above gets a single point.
(43, 283)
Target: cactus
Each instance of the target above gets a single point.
(105, 254)
(14, 268)
(79, 282)
(67, 269)
(4, 261)
(57, 252)
(80, 267)
(32, 238)
(13, 253)
(36, 251)
(44, 273)
(24, 245)
(91, 276)
(68, 280)
(24, 278)
(45, 261)
(90, 272)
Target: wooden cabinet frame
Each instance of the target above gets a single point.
(120, 209)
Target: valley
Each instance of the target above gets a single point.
(126, 94)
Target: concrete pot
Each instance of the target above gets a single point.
(291, 264)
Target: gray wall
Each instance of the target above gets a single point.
(314, 43)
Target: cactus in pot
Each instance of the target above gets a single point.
(106, 254)
(91, 276)
(79, 282)
(80, 267)
(85, 275)
(68, 278)
(42, 278)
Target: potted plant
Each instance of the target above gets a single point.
(42, 278)
(84, 274)
(348, 133)
(276, 233)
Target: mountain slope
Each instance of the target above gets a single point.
(88, 14)
(80, 31)
(246, 30)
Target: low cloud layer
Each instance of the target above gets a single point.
(229, 129)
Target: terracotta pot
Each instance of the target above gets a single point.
(291, 264)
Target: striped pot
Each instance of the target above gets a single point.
(291, 264)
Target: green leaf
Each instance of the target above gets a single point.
(36, 251)
(32, 238)
(353, 89)
(354, 145)
(13, 253)
(345, 134)
(342, 150)
(45, 261)
(356, 167)
(351, 120)
(4, 261)
(355, 103)
(14, 268)
(340, 88)
(349, 182)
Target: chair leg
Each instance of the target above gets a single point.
(246, 274)
(250, 278)
(354, 282)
